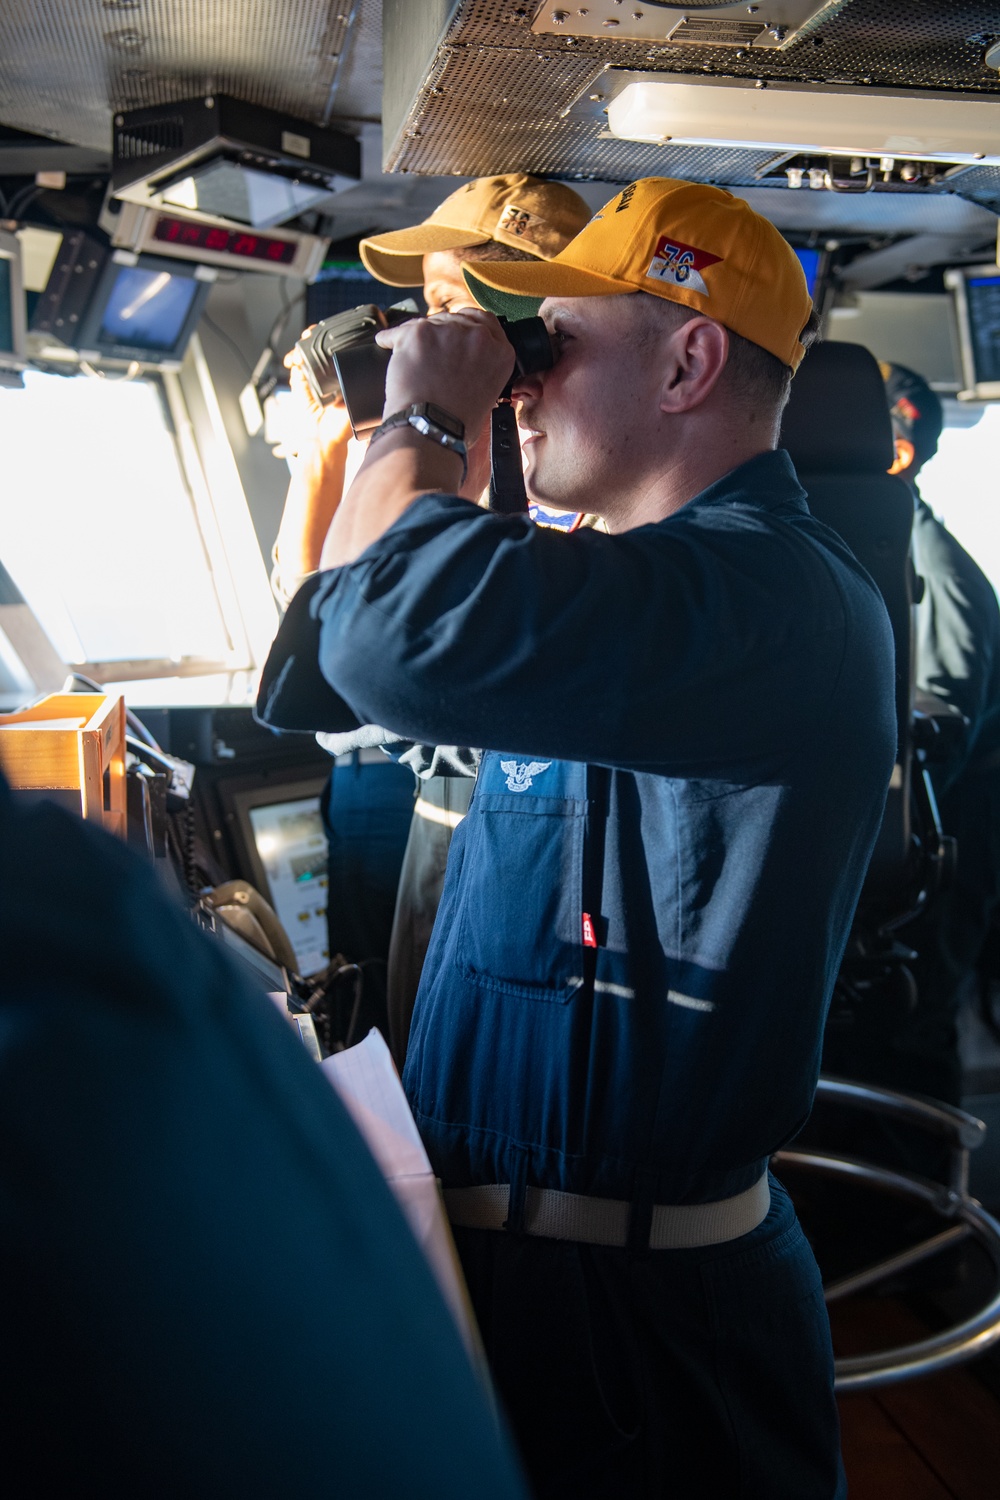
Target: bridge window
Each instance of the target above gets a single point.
(113, 540)
(960, 486)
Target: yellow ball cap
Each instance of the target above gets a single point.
(514, 209)
(684, 241)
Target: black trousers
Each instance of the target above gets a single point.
(691, 1374)
(366, 813)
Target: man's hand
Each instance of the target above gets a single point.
(460, 361)
(314, 423)
(318, 439)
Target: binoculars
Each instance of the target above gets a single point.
(340, 354)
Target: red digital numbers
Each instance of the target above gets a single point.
(224, 241)
(174, 231)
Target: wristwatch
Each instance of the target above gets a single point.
(431, 422)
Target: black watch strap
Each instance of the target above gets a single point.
(431, 422)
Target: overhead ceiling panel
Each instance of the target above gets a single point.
(895, 43)
(487, 93)
(67, 65)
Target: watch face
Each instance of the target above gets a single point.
(443, 419)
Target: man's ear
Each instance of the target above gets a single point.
(696, 354)
(905, 454)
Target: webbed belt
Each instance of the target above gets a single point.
(605, 1221)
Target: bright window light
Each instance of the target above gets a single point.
(960, 486)
(97, 528)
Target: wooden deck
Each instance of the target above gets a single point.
(930, 1439)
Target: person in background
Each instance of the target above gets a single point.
(367, 802)
(510, 217)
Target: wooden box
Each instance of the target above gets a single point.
(72, 745)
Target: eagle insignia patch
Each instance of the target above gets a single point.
(520, 777)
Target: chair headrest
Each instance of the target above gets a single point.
(837, 420)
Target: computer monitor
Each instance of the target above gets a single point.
(815, 265)
(281, 830)
(12, 315)
(143, 308)
(976, 298)
(341, 285)
(231, 190)
(809, 260)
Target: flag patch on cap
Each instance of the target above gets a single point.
(521, 223)
(905, 408)
(681, 265)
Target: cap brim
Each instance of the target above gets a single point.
(397, 258)
(518, 290)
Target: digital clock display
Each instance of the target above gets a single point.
(211, 237)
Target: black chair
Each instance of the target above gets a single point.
(838, 432)
(837, 429)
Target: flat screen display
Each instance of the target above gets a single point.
(147, 309)
(291, 846)
(809, 261)
(230, 190)
(6, 309)
(983, 299)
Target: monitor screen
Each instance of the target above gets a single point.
(6, 306)
(983, 299)
(809, 260)
(146, 309)
(241, 194)
(12, 306)
(341, 285)
(291, 846)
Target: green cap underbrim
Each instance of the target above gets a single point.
(504, 304)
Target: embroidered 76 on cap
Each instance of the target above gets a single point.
(683, 241)
(512, 209)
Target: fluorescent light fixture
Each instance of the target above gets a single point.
(832, 121)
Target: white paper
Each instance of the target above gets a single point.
(365, 1077)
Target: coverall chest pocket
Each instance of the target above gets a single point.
(521, 933)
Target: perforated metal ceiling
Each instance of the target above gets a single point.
(496, 96)
(66, 65)
(898, 43)
(491, 98)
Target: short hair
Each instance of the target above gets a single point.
(493, 250)
(916, 412)
(757, 380)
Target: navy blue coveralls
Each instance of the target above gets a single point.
(689, 731)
